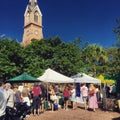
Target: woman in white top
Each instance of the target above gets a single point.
(73, 96)
(84, 93)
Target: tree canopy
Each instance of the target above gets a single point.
(66, 58)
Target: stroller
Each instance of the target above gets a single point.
(19, 113)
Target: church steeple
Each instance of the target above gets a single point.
(32, 3)
(32, 23)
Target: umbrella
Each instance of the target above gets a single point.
(110, 78)
(23, 78)
(106, 80)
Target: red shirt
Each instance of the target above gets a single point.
(66, 93)
(36, 91)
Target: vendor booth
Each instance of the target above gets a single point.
(23, 78)
(52, 76)
(83, 78)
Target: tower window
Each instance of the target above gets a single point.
(28, 17)
(36, 16)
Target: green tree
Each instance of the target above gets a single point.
(116, 56)
(94, 56)
(9, 58)
(66, 59)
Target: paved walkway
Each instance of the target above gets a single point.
(77, 114)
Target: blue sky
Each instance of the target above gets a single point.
(93, 20)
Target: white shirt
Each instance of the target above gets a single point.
(2, 103)
(84, 91)
(26, 99)
(10, 98)
(4, 91)
(73, 92)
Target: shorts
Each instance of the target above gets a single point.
(51, 101)
(85, 99)
(66, 98)
(42, 100)
(36, 102)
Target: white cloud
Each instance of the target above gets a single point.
(2, 35)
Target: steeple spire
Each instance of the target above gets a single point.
(33, 2)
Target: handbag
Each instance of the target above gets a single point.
(53, 97)
(91, 92)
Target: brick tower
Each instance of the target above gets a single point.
(32, 23)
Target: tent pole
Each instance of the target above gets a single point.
(47, 91)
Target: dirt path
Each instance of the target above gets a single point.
(77, 114)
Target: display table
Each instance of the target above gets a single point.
(109, 104)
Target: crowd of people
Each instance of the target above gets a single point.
(10, 96)
(36, 95)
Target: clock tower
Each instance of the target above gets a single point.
(32, 23)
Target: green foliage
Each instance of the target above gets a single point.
(95, 58)
(116, 61)
(66, 58)
(9, 58)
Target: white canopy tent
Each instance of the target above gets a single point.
(52, 76)
(83, 78)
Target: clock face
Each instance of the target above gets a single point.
(36, 32)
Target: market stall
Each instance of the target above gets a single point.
(51, 76)
(84, 78)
